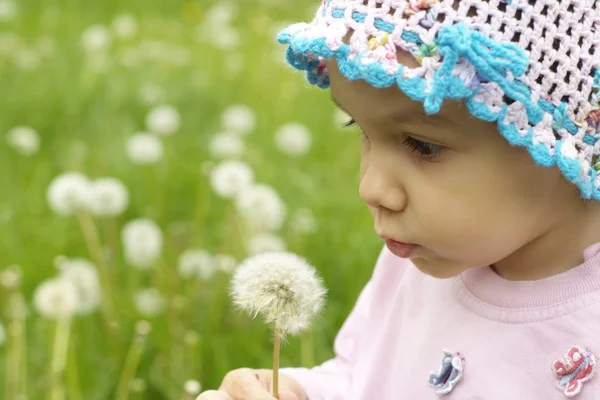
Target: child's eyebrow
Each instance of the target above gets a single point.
(437, 120)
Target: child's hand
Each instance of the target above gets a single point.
(254, 384)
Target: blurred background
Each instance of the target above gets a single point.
(147, 148)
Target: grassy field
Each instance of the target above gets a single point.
(85, 104)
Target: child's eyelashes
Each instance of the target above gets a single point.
(424, 150)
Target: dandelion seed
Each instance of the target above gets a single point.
(142, 243)
(149, 302)
(265, 243)
(192, 387)
(144, 149)
(226, 145)
(125, 26)
(55, 299)
(68, 193)
(82, 274)
(196, 263)
(230, 178)
(239, 119)
(293, 139)
(261, 207)
(303, 221)
(95, 38)
(108, 197)
(24, 140)
(163, 120)
(282, 287)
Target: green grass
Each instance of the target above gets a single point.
(84, 118)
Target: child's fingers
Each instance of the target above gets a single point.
(245, 384)
(214, 395)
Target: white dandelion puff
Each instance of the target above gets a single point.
(8, 10)
(163, 120)
(231, 177)
(265, 243)
(143, 328)
(196, 263)
(83, 276)
(192, 387)
(239, 119)
(261, 207)
(144, 148)
(108, 197)
(226, 263)
(55, 299)
(142, 243)
(282, 287)
(303, 221)
(69, 193)
(226, 145)
(95, 38)
(293, 139)
(24, 140)
(11, 277)
(27, 59)
(125, 26)
(149, 302)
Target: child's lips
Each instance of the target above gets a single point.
(402, 250)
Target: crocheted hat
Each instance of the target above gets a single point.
(529, 65)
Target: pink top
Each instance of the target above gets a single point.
(505, 340)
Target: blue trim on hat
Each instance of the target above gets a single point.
(492, 61)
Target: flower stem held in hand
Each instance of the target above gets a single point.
(276, 364)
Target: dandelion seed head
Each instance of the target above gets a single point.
(262, 207)
(282, 287)
(265, 243)
(55, 299)
(226, 145)
(68, 193)
(238, 119)
(25, 140)
(8, 10)
(230, 178)
(293, 139)
(196, 263)
(149, 302)
(163, 120)
(143, 328)
(144, 148)
(108, 197)
(192, 387)
(303, 221)
(95, 38)
(142, 243)
(226, 263)
(11, 277)
(125, 26)
(82, 274)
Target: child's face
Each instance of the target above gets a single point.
(449, 183)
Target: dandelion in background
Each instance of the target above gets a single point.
(144, 149)
(142, 243)
(226, 263)
(27, 59)
(265, 243)
(230, 178)
(68, 193)
(96, 38)
(125, 26)
(238, 119)
(151, 93)
(163, 120)
(108, 197)
(10, 277)
(8, 10)
(284, 289)
(24, 140)
(149, 302)
(55, 299)
(261, 207)
(226, 145)
(83, 276)
(303, 221)
(196, 263)
(293, 139)
(192, 387)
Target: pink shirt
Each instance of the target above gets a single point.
(505, 340)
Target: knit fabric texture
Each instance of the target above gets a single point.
(531, 66)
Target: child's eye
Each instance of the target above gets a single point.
(348, 124)
(424, 150)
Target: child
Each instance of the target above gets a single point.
(480, 124)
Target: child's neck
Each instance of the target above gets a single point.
(555, 251)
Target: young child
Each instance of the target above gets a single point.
(479, 165)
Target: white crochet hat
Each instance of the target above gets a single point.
(529, 65)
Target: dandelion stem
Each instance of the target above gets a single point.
(130, 368)
(92, 240)
(12, 361)
(276, 346)
(73, 376)
(59, 358)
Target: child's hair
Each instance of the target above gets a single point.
(531, 66)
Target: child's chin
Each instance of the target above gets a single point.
(441, 269)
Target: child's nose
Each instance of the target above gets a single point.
(379, 189)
